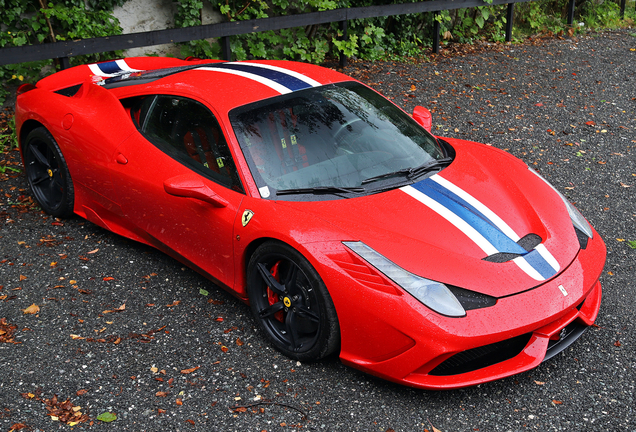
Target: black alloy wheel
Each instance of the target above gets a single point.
(48, 174)
(291, 303)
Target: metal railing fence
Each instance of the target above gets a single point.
(62, 50)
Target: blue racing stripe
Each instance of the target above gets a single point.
(291, 82)
(110, 67)
(538, 263)
(470, 215)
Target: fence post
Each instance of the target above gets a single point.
(226, 49)
(436, 30)
(65, 63)
(510, 16)
(344, 27)
(623, 4)
(571, 7)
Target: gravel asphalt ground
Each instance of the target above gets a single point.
(124, 329)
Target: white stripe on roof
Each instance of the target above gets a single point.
(268, 82)
(295, 74)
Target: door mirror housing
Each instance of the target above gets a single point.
(423, 117)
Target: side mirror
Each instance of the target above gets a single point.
(189, 187)
(423, 117)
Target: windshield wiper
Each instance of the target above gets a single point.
(411, 173)
(320, 190)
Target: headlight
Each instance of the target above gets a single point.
(577, 218)
(434, 295)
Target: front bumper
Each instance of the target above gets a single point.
(387, 333)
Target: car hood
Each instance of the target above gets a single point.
(443, 226)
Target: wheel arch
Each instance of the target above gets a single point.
(26, 128)
(247, 255)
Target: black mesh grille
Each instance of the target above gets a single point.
(481, 357)
(567, 337)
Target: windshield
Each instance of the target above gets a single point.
(334, 137)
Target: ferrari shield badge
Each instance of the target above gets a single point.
(247, 217)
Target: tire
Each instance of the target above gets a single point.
(291, 303)
(48, 174)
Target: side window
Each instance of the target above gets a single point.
(189, 132)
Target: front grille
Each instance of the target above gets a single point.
(481, 357)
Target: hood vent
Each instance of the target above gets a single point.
(528, 242)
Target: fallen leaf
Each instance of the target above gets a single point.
(107, 417)
(22, 277)
(33, 309)
(187, 371)
(162, 394)
(179, 402)
(175, 303)
(108, 278)
(93, 251)
(239, 342)
(119, 309)
(539, 382)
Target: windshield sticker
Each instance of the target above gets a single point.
(264, 191)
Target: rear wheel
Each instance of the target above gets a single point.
(291, 303)
(48, 173)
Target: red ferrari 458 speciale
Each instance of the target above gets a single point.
(345, 225)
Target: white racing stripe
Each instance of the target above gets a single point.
(268, 82)
(296, 75)
(499, 223)
(458, 222)
(121, 64)
(472, 233)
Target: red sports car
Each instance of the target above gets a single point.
(347, 227)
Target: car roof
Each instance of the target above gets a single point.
(224, 85)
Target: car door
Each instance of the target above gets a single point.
(177, 183)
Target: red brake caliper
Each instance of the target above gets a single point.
(272, 297)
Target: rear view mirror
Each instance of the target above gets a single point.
(423, 117)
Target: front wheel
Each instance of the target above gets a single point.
(48, 174)
(291, 303)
